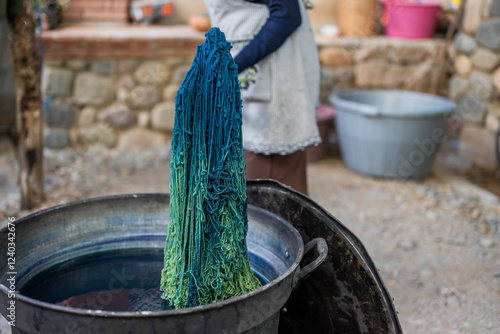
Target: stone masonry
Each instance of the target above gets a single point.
(113, 86)
(98, 94)
(132, 98)
(382, 63)
(117, 86)
(475, 84)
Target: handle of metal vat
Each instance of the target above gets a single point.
(322, 248)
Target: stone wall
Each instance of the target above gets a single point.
(475, 84)
(116, 86)
(116, 103)
(383, 63)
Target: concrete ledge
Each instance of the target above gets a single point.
(117, 40)
(379, 40)
(106, 40)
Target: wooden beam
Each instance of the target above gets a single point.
(25, 50)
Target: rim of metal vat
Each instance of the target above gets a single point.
(349, 101)
(294, 273)
(315, 304)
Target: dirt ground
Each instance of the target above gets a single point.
(436, 242)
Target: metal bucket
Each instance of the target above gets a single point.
(52, 236)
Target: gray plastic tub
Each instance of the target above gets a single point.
(390, 133)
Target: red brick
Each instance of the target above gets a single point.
(122, 44)
(120, 5)
(72, 10)
(80, 5)
(101, 13)
(72, 15)
(93, 54)
(168, 44)
(62, 46)
(142, 44)
(134, 54)
(128, 41)
(104, 16)
(99, 45)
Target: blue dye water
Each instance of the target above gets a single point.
(125, 280)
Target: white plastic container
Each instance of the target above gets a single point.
(390, 133)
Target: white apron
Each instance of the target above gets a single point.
(279, 103)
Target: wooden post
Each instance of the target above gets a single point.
(438, 81)
(26, 57)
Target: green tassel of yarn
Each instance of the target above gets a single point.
(206, 257)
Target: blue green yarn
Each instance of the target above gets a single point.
(206, 257)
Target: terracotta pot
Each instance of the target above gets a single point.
(200, 22)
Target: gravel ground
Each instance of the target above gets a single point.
(436, 241)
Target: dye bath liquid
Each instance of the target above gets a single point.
(124, 280)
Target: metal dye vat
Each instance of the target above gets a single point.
(51, 239)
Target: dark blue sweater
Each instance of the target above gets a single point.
(284, 18)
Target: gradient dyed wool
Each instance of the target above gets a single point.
(206, 257)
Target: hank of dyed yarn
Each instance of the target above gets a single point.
(206, 257)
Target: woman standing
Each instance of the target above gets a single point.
(274, 48)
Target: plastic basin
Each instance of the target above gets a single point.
(410, 19)
(390, 133)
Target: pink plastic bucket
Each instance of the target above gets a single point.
(410, 19)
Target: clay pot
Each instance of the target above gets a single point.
(200, 22)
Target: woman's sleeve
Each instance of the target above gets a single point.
(284, 18)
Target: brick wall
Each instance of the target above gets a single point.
(84, 11)
(120, 42)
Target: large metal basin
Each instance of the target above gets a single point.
(77, 229)
(345, 294)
